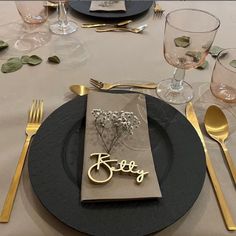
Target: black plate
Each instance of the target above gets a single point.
(56, 160)
(133, 8)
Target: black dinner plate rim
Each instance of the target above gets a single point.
(82, 7)
(83, 99)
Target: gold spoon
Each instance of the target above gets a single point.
(120, 24)
(217, 127)
(80, 90)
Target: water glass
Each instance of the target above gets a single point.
(223, 80)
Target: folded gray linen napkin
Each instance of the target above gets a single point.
(107, 5)
(136, 147)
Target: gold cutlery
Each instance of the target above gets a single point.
(123, 29)
(50, 4)
(120, 24)
(158, 11)
(80, 90)
(191, 116)
(34, 121)
(217, 127)
(108, 86)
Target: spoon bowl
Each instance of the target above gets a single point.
(216, 124)
(217, 127)
(80, 90)
(139, 29)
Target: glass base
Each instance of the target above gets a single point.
(31, 41)
(57, 28)
(166, 93)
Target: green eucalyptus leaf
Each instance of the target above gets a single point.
(25, 59)
(3, 45)
(195, 55)
(34, 60)
(54, 59)
(13, 64)
(233, 63)
(215, 50)
(183, 41)
(203, 66)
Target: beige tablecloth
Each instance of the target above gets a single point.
(108, 57)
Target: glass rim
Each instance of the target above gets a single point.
(222, 64)
(193, 9)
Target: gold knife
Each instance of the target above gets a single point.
(119, 24)
(191, 116)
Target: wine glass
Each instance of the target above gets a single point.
(63, 26)
(33, 32)
(189, 34)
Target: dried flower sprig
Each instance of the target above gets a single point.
(112, 125)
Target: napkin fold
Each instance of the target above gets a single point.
(107, 5)
(134, 147)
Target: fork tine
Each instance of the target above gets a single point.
(37, 112)
(96, 83)
(34, 112)
(93, 80)
(30, 118)
(41, 111)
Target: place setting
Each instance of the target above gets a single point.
(111, 9)
(120, 157)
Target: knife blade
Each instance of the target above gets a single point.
(228, 219)
(119, 24)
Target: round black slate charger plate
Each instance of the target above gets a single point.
(133, 8)
(55, 168)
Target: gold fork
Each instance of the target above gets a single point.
(34, 121)
(158, 11)
(108, 86)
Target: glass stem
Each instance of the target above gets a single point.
(62, 14)
(177, 80)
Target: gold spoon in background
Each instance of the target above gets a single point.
(123, 29)
(120, 24)
(217, 127)
(80, 90)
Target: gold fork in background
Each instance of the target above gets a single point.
(34, 121)
(157, 10)
(108, 86)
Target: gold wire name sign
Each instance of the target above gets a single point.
(104, 161)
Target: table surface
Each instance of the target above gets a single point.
(108, 57)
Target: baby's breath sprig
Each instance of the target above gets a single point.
(120, 124)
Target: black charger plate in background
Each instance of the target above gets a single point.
(55, 168)
(133, 8)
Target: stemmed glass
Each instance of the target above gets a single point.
(189, 34)
(63, 26)
(33, 33)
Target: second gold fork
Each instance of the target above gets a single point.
(108, 86)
